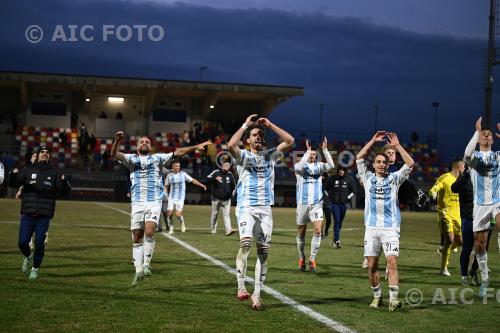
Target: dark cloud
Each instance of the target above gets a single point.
(349, 64)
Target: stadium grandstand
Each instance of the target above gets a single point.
(76, 116)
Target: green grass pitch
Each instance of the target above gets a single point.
(83, 282)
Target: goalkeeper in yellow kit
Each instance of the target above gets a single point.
(448, 211)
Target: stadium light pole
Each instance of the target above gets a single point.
(491, 62)
(202, 68)
(435, 105)
(320, 122)
(375, 107)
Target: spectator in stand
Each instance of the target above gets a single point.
(185, 139)
(92, 143)
(83, 144)
(63, 138)
(414, 137)
(119, 115)
(103, 115)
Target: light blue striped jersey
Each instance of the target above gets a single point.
(309, 182)
(146, 176)
(381, 196)
(177, 182)
(484, 176)
(255, 185)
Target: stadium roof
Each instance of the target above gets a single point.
(267, 96)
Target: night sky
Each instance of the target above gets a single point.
(350, 55)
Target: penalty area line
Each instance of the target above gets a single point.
(330, 323)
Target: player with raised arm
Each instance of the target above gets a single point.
(147, 193)
(484, 168)
(255, 197)
(175, 186)
(310, 200)
(382, 215)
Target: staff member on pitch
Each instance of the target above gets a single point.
(223, 185)
(41, 182)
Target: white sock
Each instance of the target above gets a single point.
(300, 246)
(181, 219)
(241, 263)
(377, 291)
(482, 260)
(169, 222)
(393, 293)
(315, 244)
(138, 255)
(149, 248)
(260, 269)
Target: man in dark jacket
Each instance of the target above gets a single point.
(223, 185)
(340, 188)
(41, 182)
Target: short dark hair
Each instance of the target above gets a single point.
(455, 161)
(487, 129)
(251, 127)
(177, 160)
(381, 154)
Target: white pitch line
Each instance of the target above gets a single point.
(330, 323)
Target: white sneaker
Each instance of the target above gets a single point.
(465, 281)
(213, 231)
(445, 272)
(230, 233)
(183, 227)
(171, 231)
(26, 263)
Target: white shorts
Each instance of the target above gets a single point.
(144, 212)
(178, 205)
(483, 215)
(309, 213)
(388, 239)
(256, 222)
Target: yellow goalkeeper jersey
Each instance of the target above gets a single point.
(448, 203)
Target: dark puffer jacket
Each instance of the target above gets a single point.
(41, 183)
(463, 186)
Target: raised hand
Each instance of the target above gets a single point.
(249, 120)
(324, 145)
(379, 136)
(264, 122)
(392, 138)
(308, 145)
(478, 124)
(202, 145)
(119, 136)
